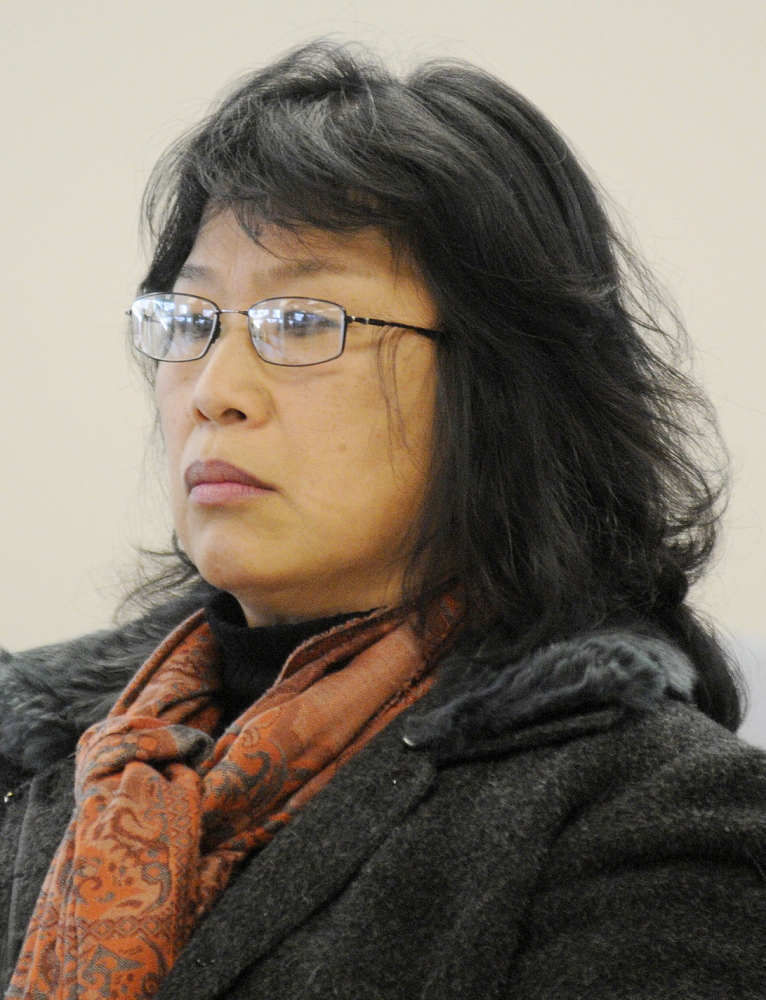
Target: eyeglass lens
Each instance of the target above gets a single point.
(290, 331)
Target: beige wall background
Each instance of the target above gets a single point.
(663, 98)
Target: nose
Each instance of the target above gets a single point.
(231, 384)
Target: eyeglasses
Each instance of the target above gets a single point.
(169, 326)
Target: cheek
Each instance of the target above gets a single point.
(170, 401)
(175, 424)
(410, 394)
(368, 447)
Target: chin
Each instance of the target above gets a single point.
(228, 574)
(247, 572)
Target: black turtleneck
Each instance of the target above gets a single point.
(252, 657)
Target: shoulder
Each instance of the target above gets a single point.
(600, 737)
(631, 832)
(660, 852)
(612, 833)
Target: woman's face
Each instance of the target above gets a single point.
(343, 447)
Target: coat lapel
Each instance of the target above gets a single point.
(306, 865)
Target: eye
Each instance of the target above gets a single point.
(191, 326)
(301, 323)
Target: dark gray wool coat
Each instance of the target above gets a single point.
(573, 829)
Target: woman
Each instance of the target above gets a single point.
(428, 715)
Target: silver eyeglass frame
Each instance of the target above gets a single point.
(215, 333)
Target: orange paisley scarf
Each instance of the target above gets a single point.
(165, 813)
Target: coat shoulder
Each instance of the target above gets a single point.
(661, 854)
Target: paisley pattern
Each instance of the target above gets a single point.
(165, 813)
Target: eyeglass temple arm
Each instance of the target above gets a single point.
(433, 334)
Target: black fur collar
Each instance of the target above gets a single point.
(52, 694)
(609, 669)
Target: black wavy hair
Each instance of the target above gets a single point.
(577, 473)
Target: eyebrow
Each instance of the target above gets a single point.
(194, 273)
(285, 269)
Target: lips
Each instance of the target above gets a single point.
(216, 471)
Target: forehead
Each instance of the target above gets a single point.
(223, 246)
